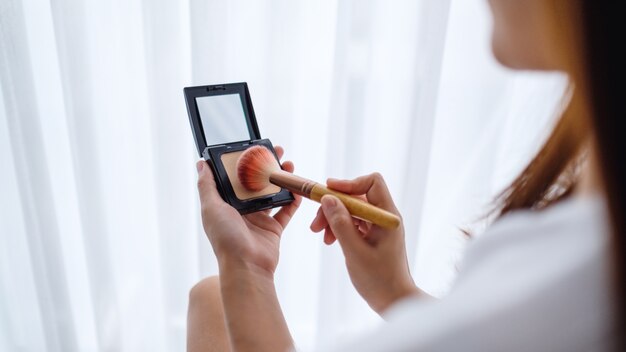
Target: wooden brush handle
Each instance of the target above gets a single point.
(358, 208)
(316, 191)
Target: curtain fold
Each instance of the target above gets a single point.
(74, 36)
(100, 233)
(40, 222)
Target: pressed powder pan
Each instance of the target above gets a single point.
(229, 160)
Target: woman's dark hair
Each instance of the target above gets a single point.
(551, 175)
(604, 48)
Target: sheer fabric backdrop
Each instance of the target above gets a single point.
(100, 235)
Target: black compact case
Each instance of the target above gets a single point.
(223, 121)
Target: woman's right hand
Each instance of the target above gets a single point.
(375, 257)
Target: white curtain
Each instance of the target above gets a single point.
(100, 235)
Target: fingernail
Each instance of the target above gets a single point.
(329, 202)
(200, 166)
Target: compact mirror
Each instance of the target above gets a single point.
(224, 126)
(223, 119)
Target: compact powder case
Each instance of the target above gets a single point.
(224, 126)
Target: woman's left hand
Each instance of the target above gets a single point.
(253, 239)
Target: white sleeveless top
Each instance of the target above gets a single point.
(535, 281)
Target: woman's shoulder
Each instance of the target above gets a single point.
(563, 234)
(542, 276)
(529, 251)
(586, 211)
(538, 280)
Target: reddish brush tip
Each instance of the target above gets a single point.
(255, 166)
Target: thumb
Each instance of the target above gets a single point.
(207, 188)
(342, 224)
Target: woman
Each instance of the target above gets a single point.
(547, 276)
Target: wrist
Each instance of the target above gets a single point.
(252, 312)
(235, 266)
(394, 294)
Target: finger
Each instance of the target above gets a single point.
(279, 151)
(345, 186)
(284, 215)
(359, 224)
(340, 222)
(365, 226)
(288, 166)
(329, 236)
(319, 223)
(373, 186)
(206, 185)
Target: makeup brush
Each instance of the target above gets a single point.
(257, 168)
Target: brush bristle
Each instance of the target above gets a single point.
(255, 166)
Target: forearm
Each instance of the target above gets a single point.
(253, 315)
